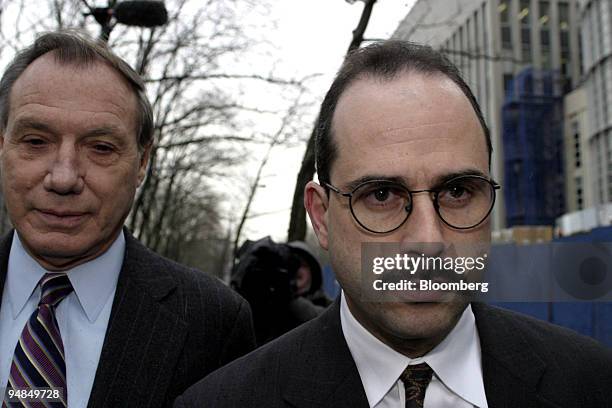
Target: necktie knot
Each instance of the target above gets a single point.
(416, 378)
(54, 288)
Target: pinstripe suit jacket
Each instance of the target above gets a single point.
(169, 326)
(526, 363)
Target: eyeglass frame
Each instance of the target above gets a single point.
(433, 191)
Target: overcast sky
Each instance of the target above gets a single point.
(311, 37)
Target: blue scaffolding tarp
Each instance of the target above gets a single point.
(532, 131)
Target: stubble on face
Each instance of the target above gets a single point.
(419, 128)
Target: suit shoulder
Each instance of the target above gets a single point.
(272, 355)
(261, 370)
(554, 341)
(196, 283)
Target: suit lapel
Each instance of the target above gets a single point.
(144, 337)
(323, 372)
(511, 368)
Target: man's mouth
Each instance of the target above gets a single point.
(61, 218)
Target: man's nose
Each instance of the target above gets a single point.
(65, 175)
(423, 232)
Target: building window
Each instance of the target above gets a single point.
(575, 127)
(506, 34)
(579, 193)
(508, 85)
(506, 27)
(525, 22)
(544, 18)
(580, 54)
(564, 41)
(504, 11)
(563, 16)
(544, 23)
(523, 14)
(604, 95)
(526, 44)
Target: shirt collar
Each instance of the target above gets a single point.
(380, 366)
(460, 348)
(93, 281)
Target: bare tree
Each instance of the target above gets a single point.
(297, 221)
(279, 137)
(194, 84)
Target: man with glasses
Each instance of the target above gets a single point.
(403, 157)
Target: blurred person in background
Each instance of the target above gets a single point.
(281, 282)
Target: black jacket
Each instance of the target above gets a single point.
(526, 363)
(169, 326)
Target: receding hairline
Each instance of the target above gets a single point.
(79, 64)
(386, 78)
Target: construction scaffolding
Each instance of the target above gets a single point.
(532, 117)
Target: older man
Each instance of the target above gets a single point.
(90, 317)
(403, 157)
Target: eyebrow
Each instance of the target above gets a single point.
(439, 180)
(353, 184)
(466, 172)
(108, 130)
(32, 123)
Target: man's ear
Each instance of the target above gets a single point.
(316, 202)
(144, 161)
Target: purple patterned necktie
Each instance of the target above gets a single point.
(416, 378)
(39, 360)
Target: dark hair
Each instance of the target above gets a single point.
(383, 60)
(72, 47)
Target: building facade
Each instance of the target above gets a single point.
(579, 171)
(492, 42)
(532, 118)
(596, 33)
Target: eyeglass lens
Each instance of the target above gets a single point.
(382, 206)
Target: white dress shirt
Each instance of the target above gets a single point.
(457, 381)
(82, 316)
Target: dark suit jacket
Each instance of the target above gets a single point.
(526, 363)
(169, 327)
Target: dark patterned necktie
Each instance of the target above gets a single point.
(416, 378)
(39, 360)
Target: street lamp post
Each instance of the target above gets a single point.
(141, 13)
(359, 31)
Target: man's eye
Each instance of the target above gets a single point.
(457, 191)
(35, 141)
(381, 194)
(103, 148)
(454, 195)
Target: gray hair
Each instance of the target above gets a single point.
(72, 47)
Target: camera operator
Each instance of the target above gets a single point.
(282, 283)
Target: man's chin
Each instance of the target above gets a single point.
(421, 320)
(57, 251)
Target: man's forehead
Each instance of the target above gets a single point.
(51, 65)
(412, 123)
(409, 99)
(59, 79)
